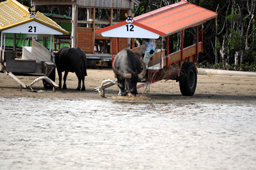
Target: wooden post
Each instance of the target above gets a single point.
(161, 54)
(167, 46)
(117, 45)
(94, 28)
(111, 39)
(111, 16)
(74, 24)
(182, 44)
(202, 37)
(197, 43)
(111, 46)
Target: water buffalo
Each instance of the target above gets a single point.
(71, 60)
(128, 68)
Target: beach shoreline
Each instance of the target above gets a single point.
(210, 88)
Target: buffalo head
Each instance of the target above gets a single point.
(129, 69)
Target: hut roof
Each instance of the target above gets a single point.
(13, 14)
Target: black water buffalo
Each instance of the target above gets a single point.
(128, 68)
(71, 60)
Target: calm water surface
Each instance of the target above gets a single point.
(106, 134)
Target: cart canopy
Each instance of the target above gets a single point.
(17, 18)
(161, 22)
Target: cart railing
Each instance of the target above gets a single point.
(187, 52)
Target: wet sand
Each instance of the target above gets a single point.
(210, 88)
(107, 134)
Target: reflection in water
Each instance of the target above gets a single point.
(99, 134)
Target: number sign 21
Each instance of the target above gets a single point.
(31, 29)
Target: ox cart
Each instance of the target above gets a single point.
(161, 25)
(36, 60)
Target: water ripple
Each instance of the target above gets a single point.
(98, 134)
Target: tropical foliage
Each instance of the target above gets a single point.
(228, 41)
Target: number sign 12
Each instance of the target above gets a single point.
(130, 28)
(31, 29)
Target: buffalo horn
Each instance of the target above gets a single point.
(123, 75)
(143, 72)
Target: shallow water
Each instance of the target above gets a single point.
(106, 134)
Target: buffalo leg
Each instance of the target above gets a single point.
(121, 85)
(133, 89)
(60, 78)
(64, 80)
(83, 86)
(79, 77)
(83, 70)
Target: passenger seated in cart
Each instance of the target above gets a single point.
(149, 51)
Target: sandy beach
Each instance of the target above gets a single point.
(210, 88)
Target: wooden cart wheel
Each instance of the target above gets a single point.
(188, 79)
(52, 77)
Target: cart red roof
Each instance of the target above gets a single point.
(164, 21)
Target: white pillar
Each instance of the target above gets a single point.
(74, 25)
